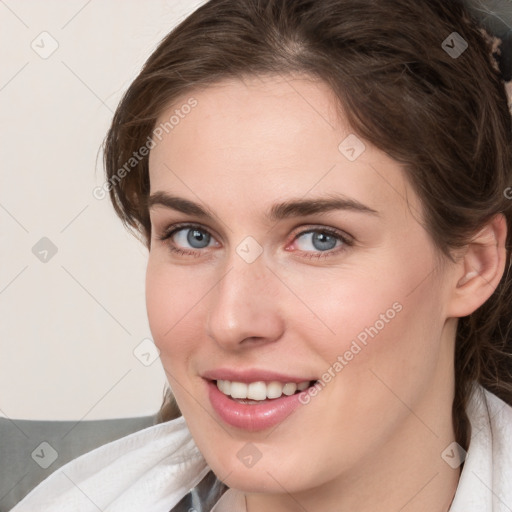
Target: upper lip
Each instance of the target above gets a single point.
(251, 375)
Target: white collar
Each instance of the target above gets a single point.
(155, 468)
(485, 483)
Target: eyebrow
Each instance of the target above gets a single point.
(280, 211)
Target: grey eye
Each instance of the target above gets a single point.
(318, 239)
(196, 238)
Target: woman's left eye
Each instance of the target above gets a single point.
(321, 242)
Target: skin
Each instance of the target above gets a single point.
(382, 422)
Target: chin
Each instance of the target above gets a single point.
(269, 474)
(258, 479)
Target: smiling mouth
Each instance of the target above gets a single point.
(253, 393)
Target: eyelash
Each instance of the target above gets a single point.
(346, 240)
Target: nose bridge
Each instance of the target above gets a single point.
(244, 304)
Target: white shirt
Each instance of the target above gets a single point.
(153, 469)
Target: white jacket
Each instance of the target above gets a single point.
(160, 469)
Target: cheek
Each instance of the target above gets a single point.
(173, 301)
(346, 305)
(386, 354)
(384, 321)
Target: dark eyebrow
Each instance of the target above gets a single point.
(176, 203)
(290, 208)
(302, 207)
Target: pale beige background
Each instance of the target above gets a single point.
(68, 327)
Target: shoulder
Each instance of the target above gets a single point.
(492, 417)
(485, 481)
(148, 470)
(501, 410)
(500, 434)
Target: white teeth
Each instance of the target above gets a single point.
(289, 388)
(257, 391)
(303, 385)
(224, 386)
(274, 389)
(260, 390)
(227, 387)
(238, 390)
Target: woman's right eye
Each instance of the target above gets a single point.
(187, 239)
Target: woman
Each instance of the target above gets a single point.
(324, 190)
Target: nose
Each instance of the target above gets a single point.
(244, 306)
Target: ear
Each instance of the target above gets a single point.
(479, 269)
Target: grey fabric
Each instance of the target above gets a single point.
(23, 457)
(203, 497)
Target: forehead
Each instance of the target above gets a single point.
(276, 136)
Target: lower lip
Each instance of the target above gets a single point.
(252, 417)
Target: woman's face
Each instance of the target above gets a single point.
(294, 253)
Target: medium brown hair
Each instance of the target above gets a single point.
(444, 117)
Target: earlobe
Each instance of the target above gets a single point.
(480, 269)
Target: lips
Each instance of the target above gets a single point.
(253, 375)
(254, 400)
